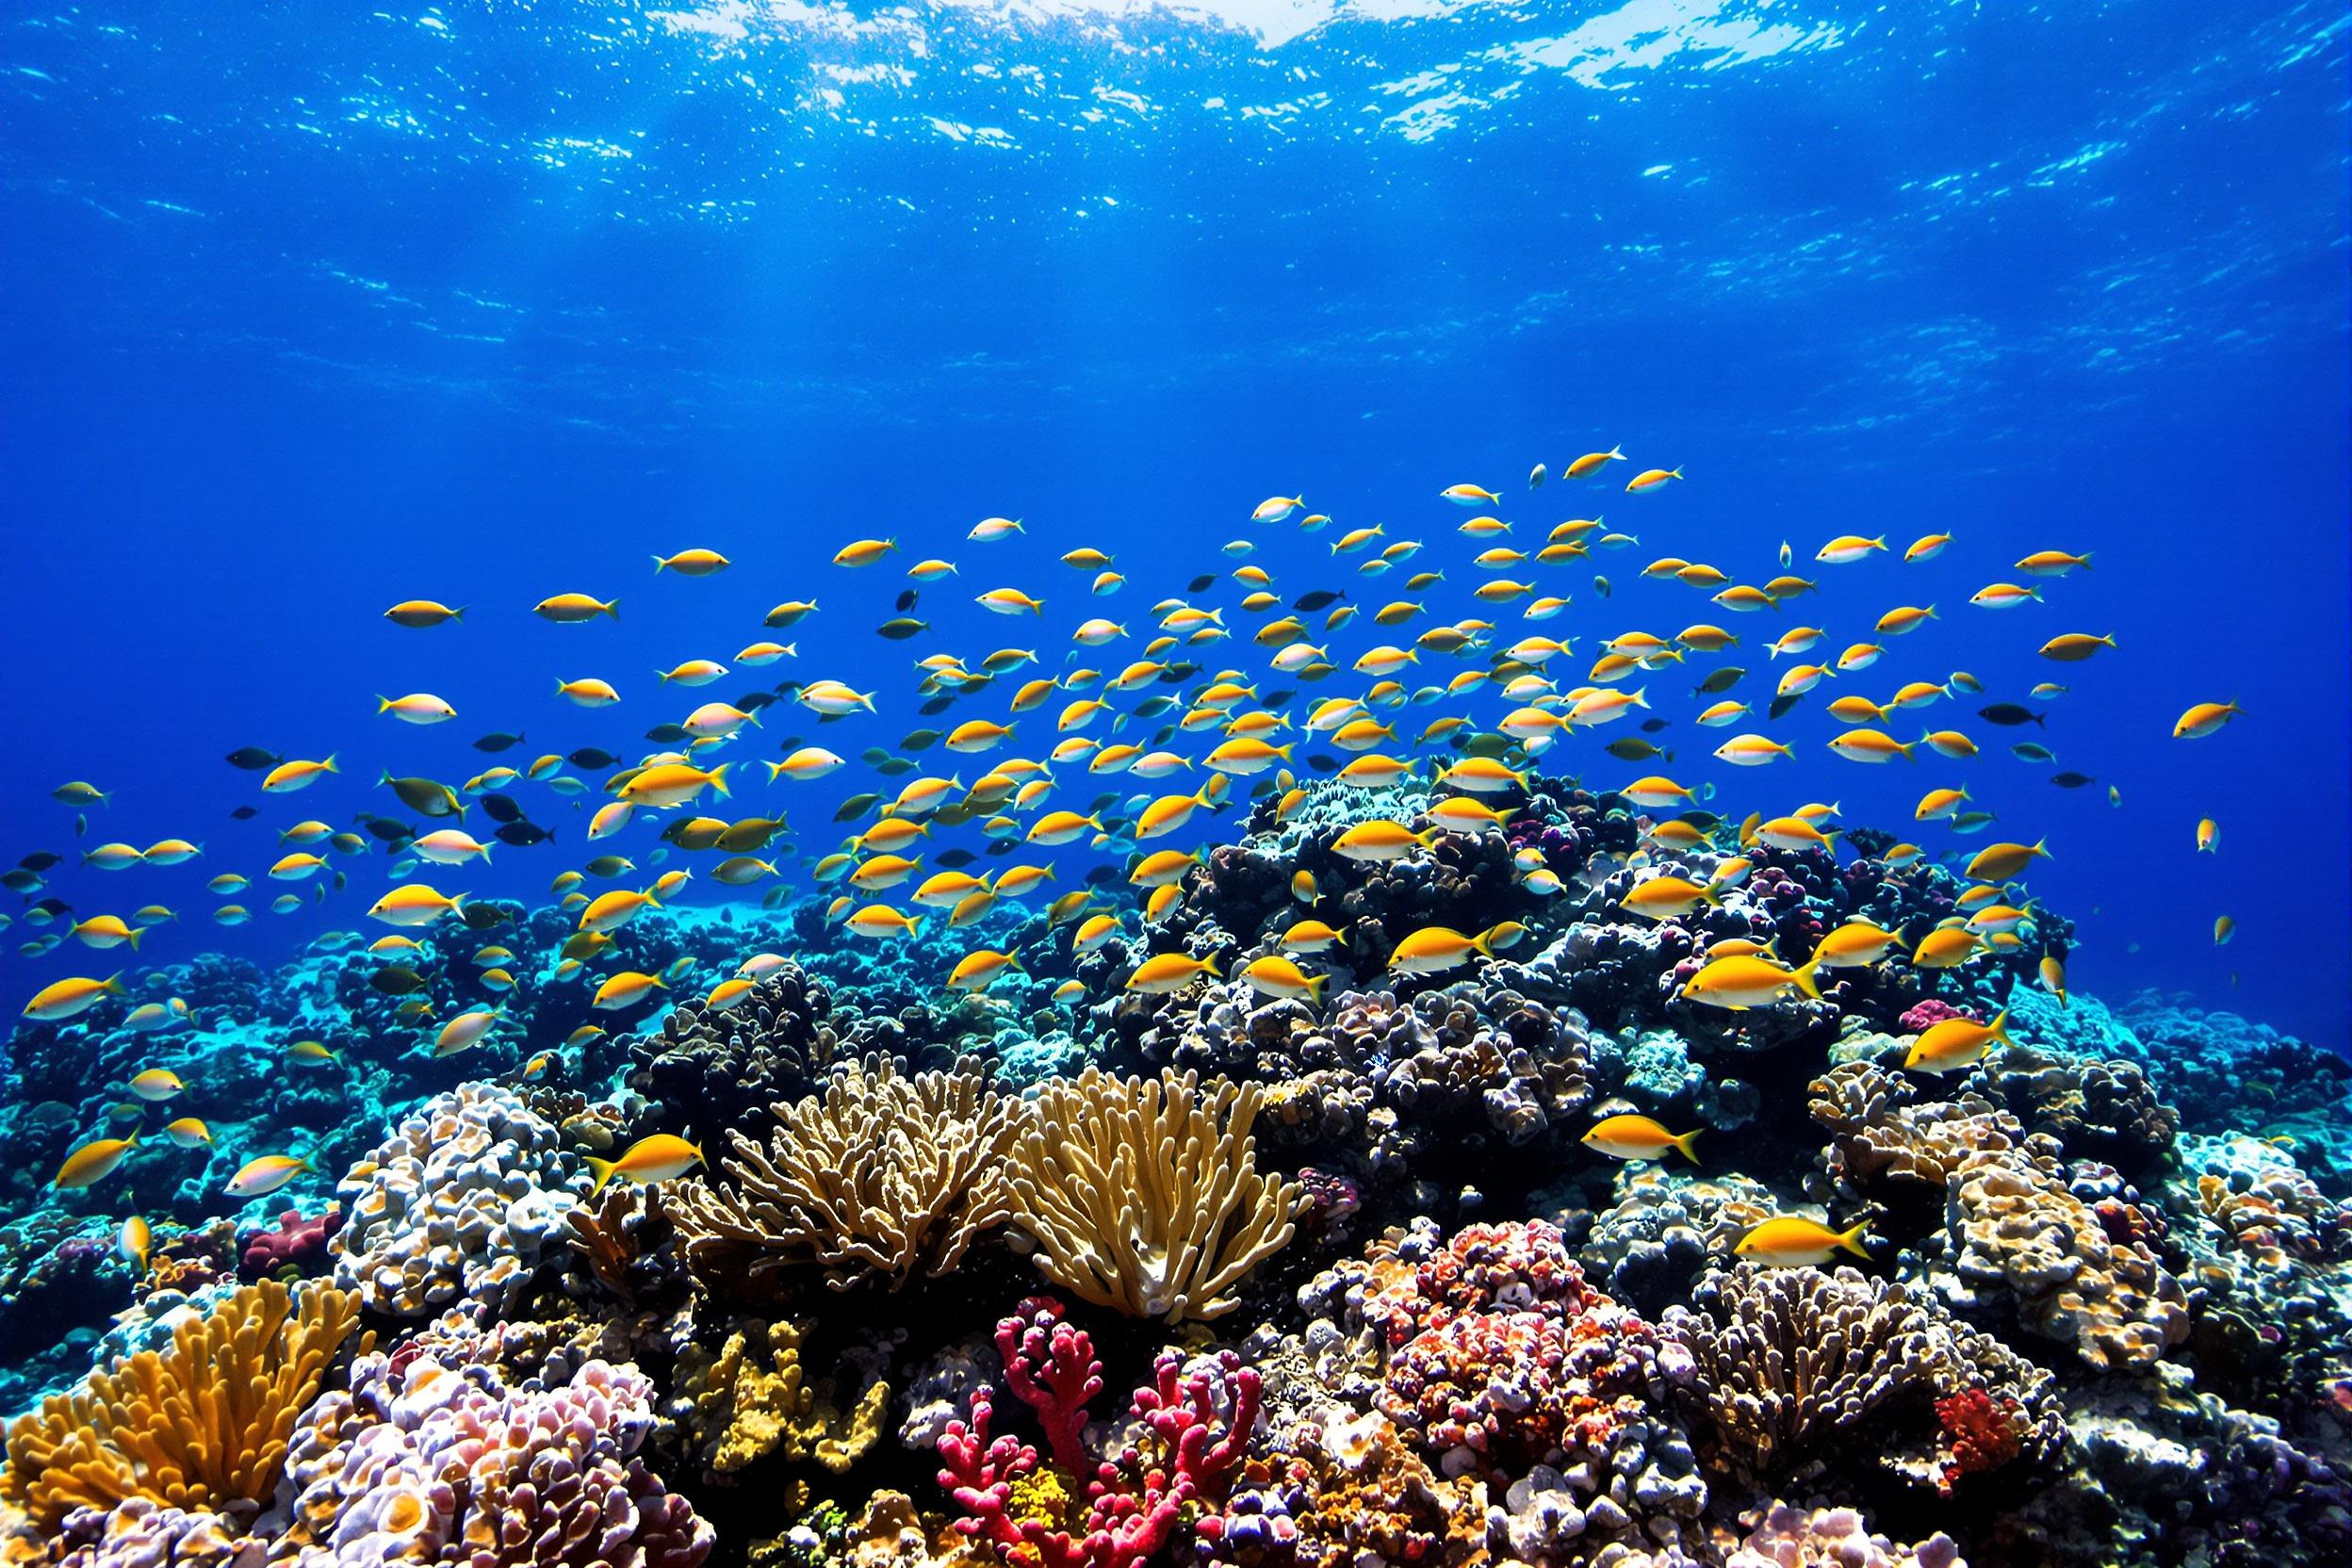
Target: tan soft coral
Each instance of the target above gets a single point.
(754, 1398)
(1143, 1194)
(883, 1177)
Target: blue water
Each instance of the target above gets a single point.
(303, 312)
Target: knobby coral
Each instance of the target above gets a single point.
(204, 1423)
(885, 1177)
(754, 1398)
(1143, 1194)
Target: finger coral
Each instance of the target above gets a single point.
(1143, 1194)
(204, 1423)
(883, 1177)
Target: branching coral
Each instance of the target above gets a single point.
(883, 1177)
(204, 1423)
(1143, 1194)
(754, 1398)
(1195, 1426)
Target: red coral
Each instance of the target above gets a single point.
(1134, 1503)
(1981, 1433)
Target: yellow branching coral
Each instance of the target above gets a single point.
(753, 1399)
(1143, 1194)
(197, 1425)
(883, 1176)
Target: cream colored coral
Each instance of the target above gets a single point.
(883, 1177)
(1143, 1194)
(200, 1425)
(2017, 1224)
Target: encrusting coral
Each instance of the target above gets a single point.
(1143, 1194)
(754, 1398)
(202, 1424)
(885, 1176)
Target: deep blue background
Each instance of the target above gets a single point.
(303, 312)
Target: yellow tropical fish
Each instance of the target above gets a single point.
(92, 1162)
(1953, 1043)
(1639, 1138)
(657, 1158)
(1790, 1241)
(1169, 971)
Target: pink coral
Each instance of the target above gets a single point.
(299, 1242)
(1198, 1423)
(1927, 1014)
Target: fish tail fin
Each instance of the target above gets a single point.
(384, 704)
(135, 934)
(718, 778)
(1851, 1239)
(1616, 454)
(1677, 472)
(2000, 1027)
(611, 607)
(1684, 1143)
(1315, 988)
(2041, 848)
(1208, 966)
(602, 1170)
(114, 982)
(659, 564)
(327, 766)
(1803, 975)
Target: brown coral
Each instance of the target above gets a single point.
(1143, 1194)
(884, 1177)
(197, 1425)
(1881, 1132)
(1791, 1360)
(754, 1398)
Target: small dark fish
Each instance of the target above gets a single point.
(1002, 847)
(873, 757)
(954, 814)
(390, 829)
(19, 880)
(1781, 705)
(1103, 876)
(501, 807)
(1152, 707)
(751, 702)
(1317, 599)
(1651, 727)
(2009, 712)
(2033, 751)
(1275, 699)
(666, 734)
(1322, 764)
(1202, 583)
(253, 760)
(906, 600)
(399, 980)
(498, 741)
(1488, 744)
(523, 834)
(2071, 780)
(40, 859)
(956, 858)
(902, 628)
(1166, 733)
(589, 757)
(1600, 586)
(81, 823)
(1633, 750)
(53, 905)
(244, 813)
(750, 834)
(483, 916)
(1719, 681)
(1182, 670)
(855, 806)
(895, 766)
(920, 740)
(936, 706)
